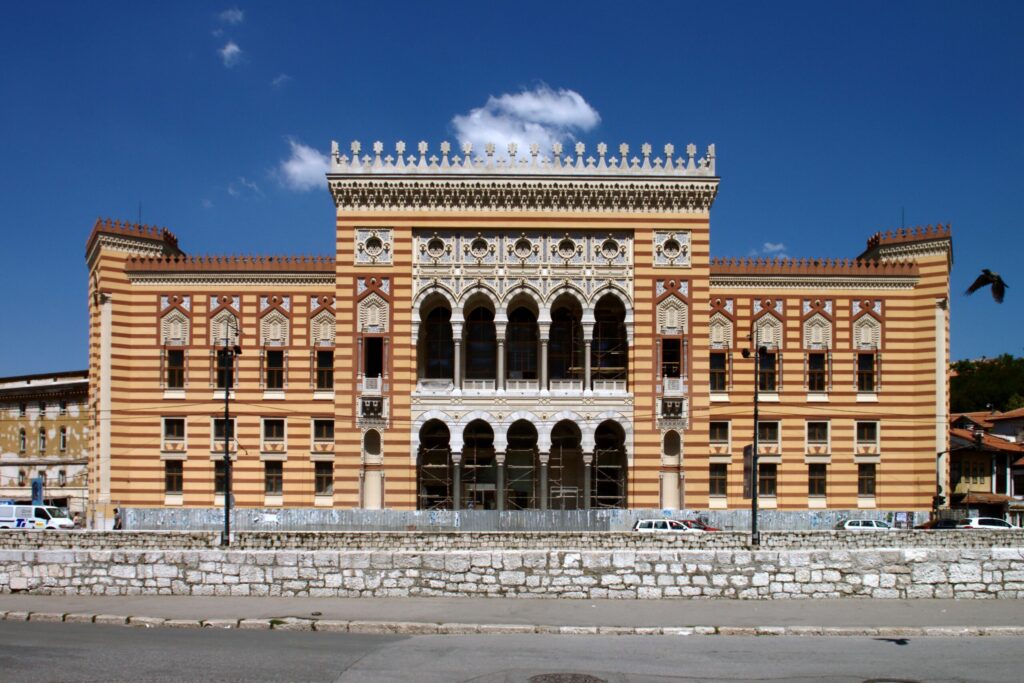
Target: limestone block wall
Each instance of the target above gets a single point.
(582, 574)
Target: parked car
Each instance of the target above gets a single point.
(33, 517)
(984, 523)
(660, 526)
(939, 524)
(698, 525)
(864, 525)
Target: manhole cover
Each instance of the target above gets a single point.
(566, 678)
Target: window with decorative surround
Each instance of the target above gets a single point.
(816, 480)
(718, 479)
(866, 480)
(767, 479)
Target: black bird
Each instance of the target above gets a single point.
(987, 278)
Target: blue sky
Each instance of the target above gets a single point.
(831, 120)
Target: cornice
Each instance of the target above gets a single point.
(579, 194)
(230, 279)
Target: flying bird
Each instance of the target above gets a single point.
(987, 278)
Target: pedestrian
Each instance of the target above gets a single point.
(117, 519)
(77, 521)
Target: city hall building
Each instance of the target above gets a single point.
(542, 330)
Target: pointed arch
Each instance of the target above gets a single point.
(525, 290)
(768, 331)
(374, 314)
(867, 332)
(175, 329)
(274, 329)
(817, 332)
(224, 325)
(610, 288)
(673, 316)
(322, 328)
(720, 330)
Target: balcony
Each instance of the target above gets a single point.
(372, 386)
(478, 385)
(610, 386)
(373, 409)
(566, 386)
(674, 386)
(673, 409)
(521, 385)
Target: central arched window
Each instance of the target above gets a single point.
(481, 345)
(565, 350)
(522, 344)
(610, 350)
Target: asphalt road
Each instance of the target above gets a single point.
(40, 652)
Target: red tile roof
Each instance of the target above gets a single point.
(988, 441)
(1010, 415)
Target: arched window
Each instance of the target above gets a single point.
(610, 349)
(481, 345)
(223, 326)
(768, 331)
(436, 343)
(523, 339)
(720, 331)
(565, 349)
(274, 329)
(373, 314)
(817, 332)
(175, 329)
(672, 316)
(371, 446)
(867, 333)
(671, 446)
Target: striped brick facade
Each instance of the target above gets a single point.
(481, 241)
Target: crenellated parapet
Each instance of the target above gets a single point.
(911, 243)
(231, 270)
(804, 272)
(130, 237)
(522, 180)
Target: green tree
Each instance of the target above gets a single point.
(996, 382)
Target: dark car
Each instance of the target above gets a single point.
(938, 524)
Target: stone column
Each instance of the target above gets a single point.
(543, 457)
(588, 461)
(588, 338)
(544, 364)
(456, 480)
(499, 494)
(384, 362)
(499, 383)
(457, 358)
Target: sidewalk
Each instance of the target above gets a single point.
(483, 615)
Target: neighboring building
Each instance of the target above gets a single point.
(545, 332)
(981, 473)
(45, 435)
(1009, 424)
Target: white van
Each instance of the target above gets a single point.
(33, 517)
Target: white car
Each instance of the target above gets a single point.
(33, 517)
(659, 526)
(864, 525)
(984, 523)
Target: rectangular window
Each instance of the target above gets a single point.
(718, 479)
(866, 480)
(225, 364)
(274, 371)
(866, 378)
(323, 478)
(218, 429)
(42, 440)
(63, 408)
(22, 409)
(719, 432)
(672, 357)
(767, 479)
(323, 430)
(867, 433)
(174, 476)
(324, 370)
(218, 477)
(63, 438)
(816, 480)
(768, 432)
(175, 369)
(273, 478)
(273, 430)
(817, 372)
(373, 356)
(817, 433)
(42, 409)
(719, 371)
(767, 372)
(174, 428)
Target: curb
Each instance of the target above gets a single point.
(437, 628)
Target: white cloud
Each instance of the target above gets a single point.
(280, 80)
(232, 16)
(771, 250)
(231, 54)
(542, 116)
(243, 187)
(305, 168)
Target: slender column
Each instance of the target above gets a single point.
(588, 461)
(457, 362)
(499, 459)
(544, 365)
(384, 361)
(359, 361)
(588, 338)
(500, 379)
(544, 480)
(456, 480)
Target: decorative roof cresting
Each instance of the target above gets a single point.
(522, 162)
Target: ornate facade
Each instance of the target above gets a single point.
(529, 332)
(45, 435)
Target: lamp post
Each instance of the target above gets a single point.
(227, 364)
(762, 351)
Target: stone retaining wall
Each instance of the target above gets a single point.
(653, 574)
(496, 540)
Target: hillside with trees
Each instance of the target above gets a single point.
(987, 384)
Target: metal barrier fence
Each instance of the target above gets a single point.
(296, 519)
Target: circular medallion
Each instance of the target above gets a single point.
(523, 248)
(609, 248)
(478, 247)
(567, 248)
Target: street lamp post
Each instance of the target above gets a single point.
(762, 351)
(227, 363)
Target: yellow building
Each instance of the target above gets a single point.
(526, 332)
(44, 434)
